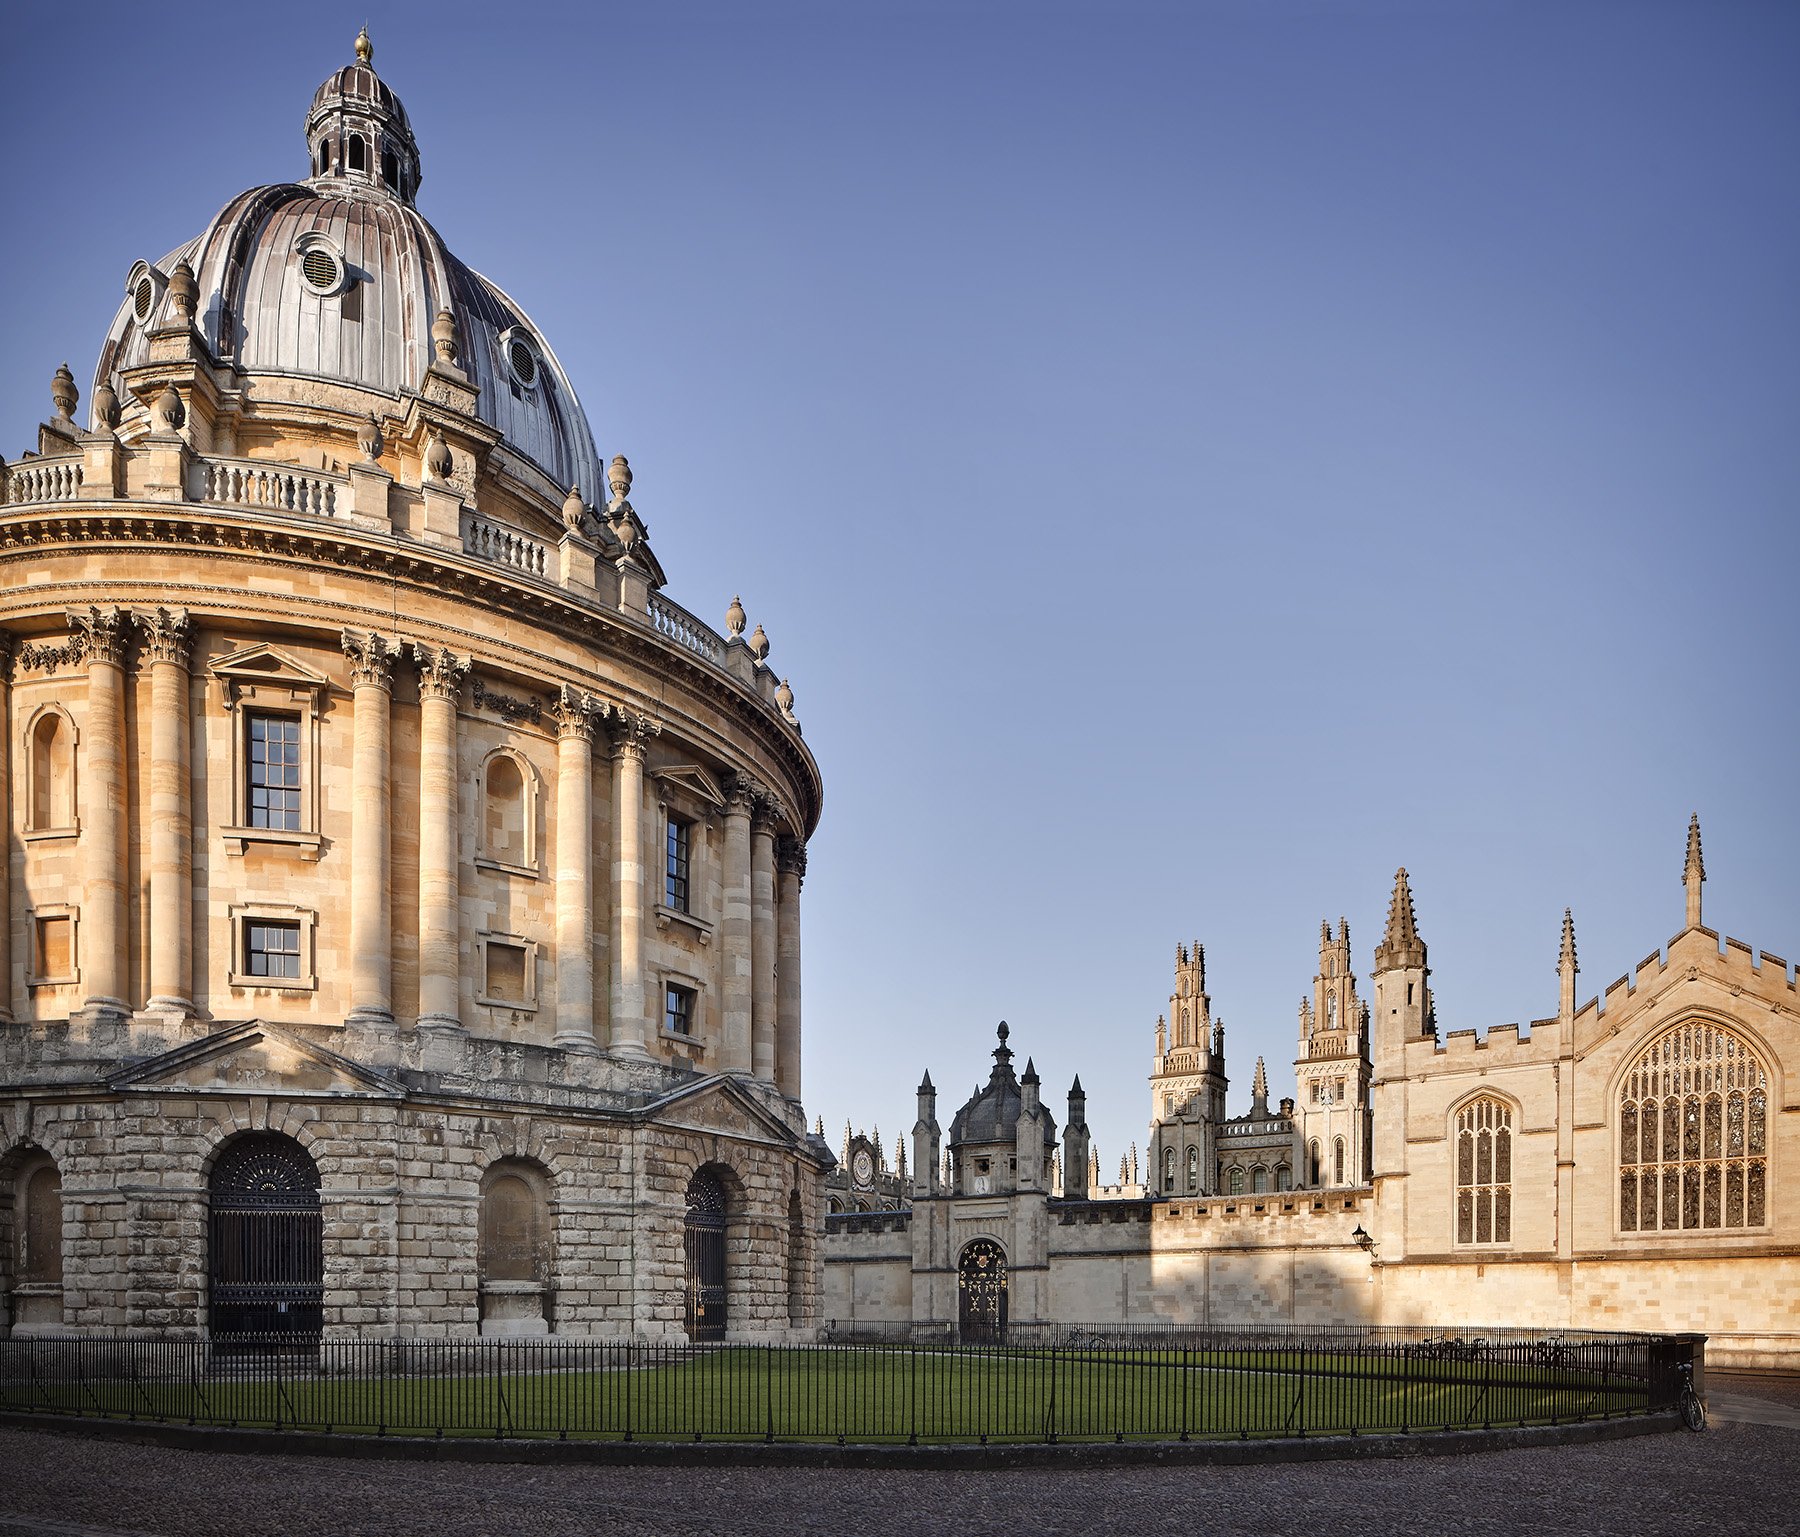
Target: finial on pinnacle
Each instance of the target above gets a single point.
(759, 644)
(574, 510)
(736, 618)
(1693, 873)
(1003, 1032)
(63, 394)
(618, 477)
(784, 701)
(443, 337)
(365, 50)
(368, 437)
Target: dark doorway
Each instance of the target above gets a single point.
(705, 1241)
(268, 1256)
(981, 1288)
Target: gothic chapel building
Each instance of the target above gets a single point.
(400, 909)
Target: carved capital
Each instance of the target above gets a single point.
(168, 636)
(631, 733)
(790, 857)
(769, 812)
(99, 635)
(371, 660)
(6, 656)
(743, 794)
(441, 672)
(575, 712)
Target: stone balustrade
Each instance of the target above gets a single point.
(487, 540)
(261, 484)
(44, 480)
(674, 621)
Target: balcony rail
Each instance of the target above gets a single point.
(1043, 1383)
(503, 546)
(44, 480)
(684, 629)
(260, 484)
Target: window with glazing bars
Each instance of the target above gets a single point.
(676, 885)
(272, 791)
(1484, 1172)
(272, 949)
(678, 1010)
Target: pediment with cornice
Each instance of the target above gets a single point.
(260, 1058)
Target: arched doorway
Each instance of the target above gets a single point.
(981, 1293)
(268, 1258)
(704, 1238)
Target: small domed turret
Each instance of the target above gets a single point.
(356, 129)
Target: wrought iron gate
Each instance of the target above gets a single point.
(981, 1288)
(704, 1237)
(267, 1255)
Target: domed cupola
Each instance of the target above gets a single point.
(992, 1112)
(356, 129)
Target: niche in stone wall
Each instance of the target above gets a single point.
(36, 1244)
(50, 774)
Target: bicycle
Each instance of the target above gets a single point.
(1693, 1409)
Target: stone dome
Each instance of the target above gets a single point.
(992, 1112)
(339, 278)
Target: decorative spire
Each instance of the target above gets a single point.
(1400, 945)
(925, 1084)
(1566, 967)
(1567, 957)
(1693, 872)
(1344, 933)
(1031, 1075)
(365, 50)
(1002, 1056)
(1200, 961)
(1259, 1085)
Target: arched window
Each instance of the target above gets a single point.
(50, 797)
(1337, 1161)
(390, 169)
(1693, 1134)
(509, 813)
(1284, 1178)
(1259, 1180)
(40, 1227)
(359, 153)
(1234, 1181)
(1193, 1177)
(324, 161)
(1484, 1172)
(1312, 1163)
(1168, 1168)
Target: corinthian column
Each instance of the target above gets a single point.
(440, 975)
(100, 633)
(574, 714)
(736, 988)
(631, 739)
(371, 854)
(762, 939)
(6, 667)
(167, 642)
(790, 860)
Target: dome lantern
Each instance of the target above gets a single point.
(356, 129)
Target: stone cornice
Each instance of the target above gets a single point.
(305, 542)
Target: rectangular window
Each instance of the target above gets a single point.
(272, 950)
(272, 786)
(678, 1010)
(676, 887)
(55, 948)
(506, 972)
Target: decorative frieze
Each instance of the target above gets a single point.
(509, 709)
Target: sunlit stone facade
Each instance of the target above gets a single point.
(382, 845)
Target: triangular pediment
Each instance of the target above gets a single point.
(695, 780)
(255, 1057)
(267, 664)
(722, 1107)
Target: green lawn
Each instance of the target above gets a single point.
(752, 1392)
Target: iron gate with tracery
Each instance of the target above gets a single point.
(981, 1293)
(704, 1240)
(267, 1268)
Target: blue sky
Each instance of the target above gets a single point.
(1189, 459)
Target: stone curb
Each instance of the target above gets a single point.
(738, 1454)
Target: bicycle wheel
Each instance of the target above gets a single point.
(1693, 1412)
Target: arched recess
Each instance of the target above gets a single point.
(710, 1208)
(49, 753)
(1483, 1133)
(509, 812)
(797, 1261)
(266, 1258)
(1692, 1112)
(31, 1227)
(981, 1288)
(514, 1262)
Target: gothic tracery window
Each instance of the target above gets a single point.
(1693, 1134)
(1484, 1172)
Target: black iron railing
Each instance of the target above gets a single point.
(1044, 1384)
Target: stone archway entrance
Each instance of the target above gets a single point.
(981, 1293)
(704, 1240)
(267, 1255)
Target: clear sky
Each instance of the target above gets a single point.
(1190, 459)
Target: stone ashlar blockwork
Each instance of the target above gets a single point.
(366, 798)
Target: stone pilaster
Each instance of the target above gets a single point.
(762, 939)
(441, 675)
(735, 985)
(6, 911)
(168, 640)
(371, 850)
(100, 634)
(790, 861)
(574, 713)
(631, 738)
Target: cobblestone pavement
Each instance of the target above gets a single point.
(1735, 1478)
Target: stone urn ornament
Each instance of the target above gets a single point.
(736, 618)
(63, 394)
(574, 510)
(106, 408)
(368, 437)
(438, 462)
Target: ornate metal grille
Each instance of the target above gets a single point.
(1484, 1172)
(704, 1238)
(981, 1284)
(1693, 1134)
(268, 1257)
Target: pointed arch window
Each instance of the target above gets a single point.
(1693, 1134)
(1484, 1172)
(1234, 1180)
(1193, 1171)
(1312, 1163)
(1337, 1161)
